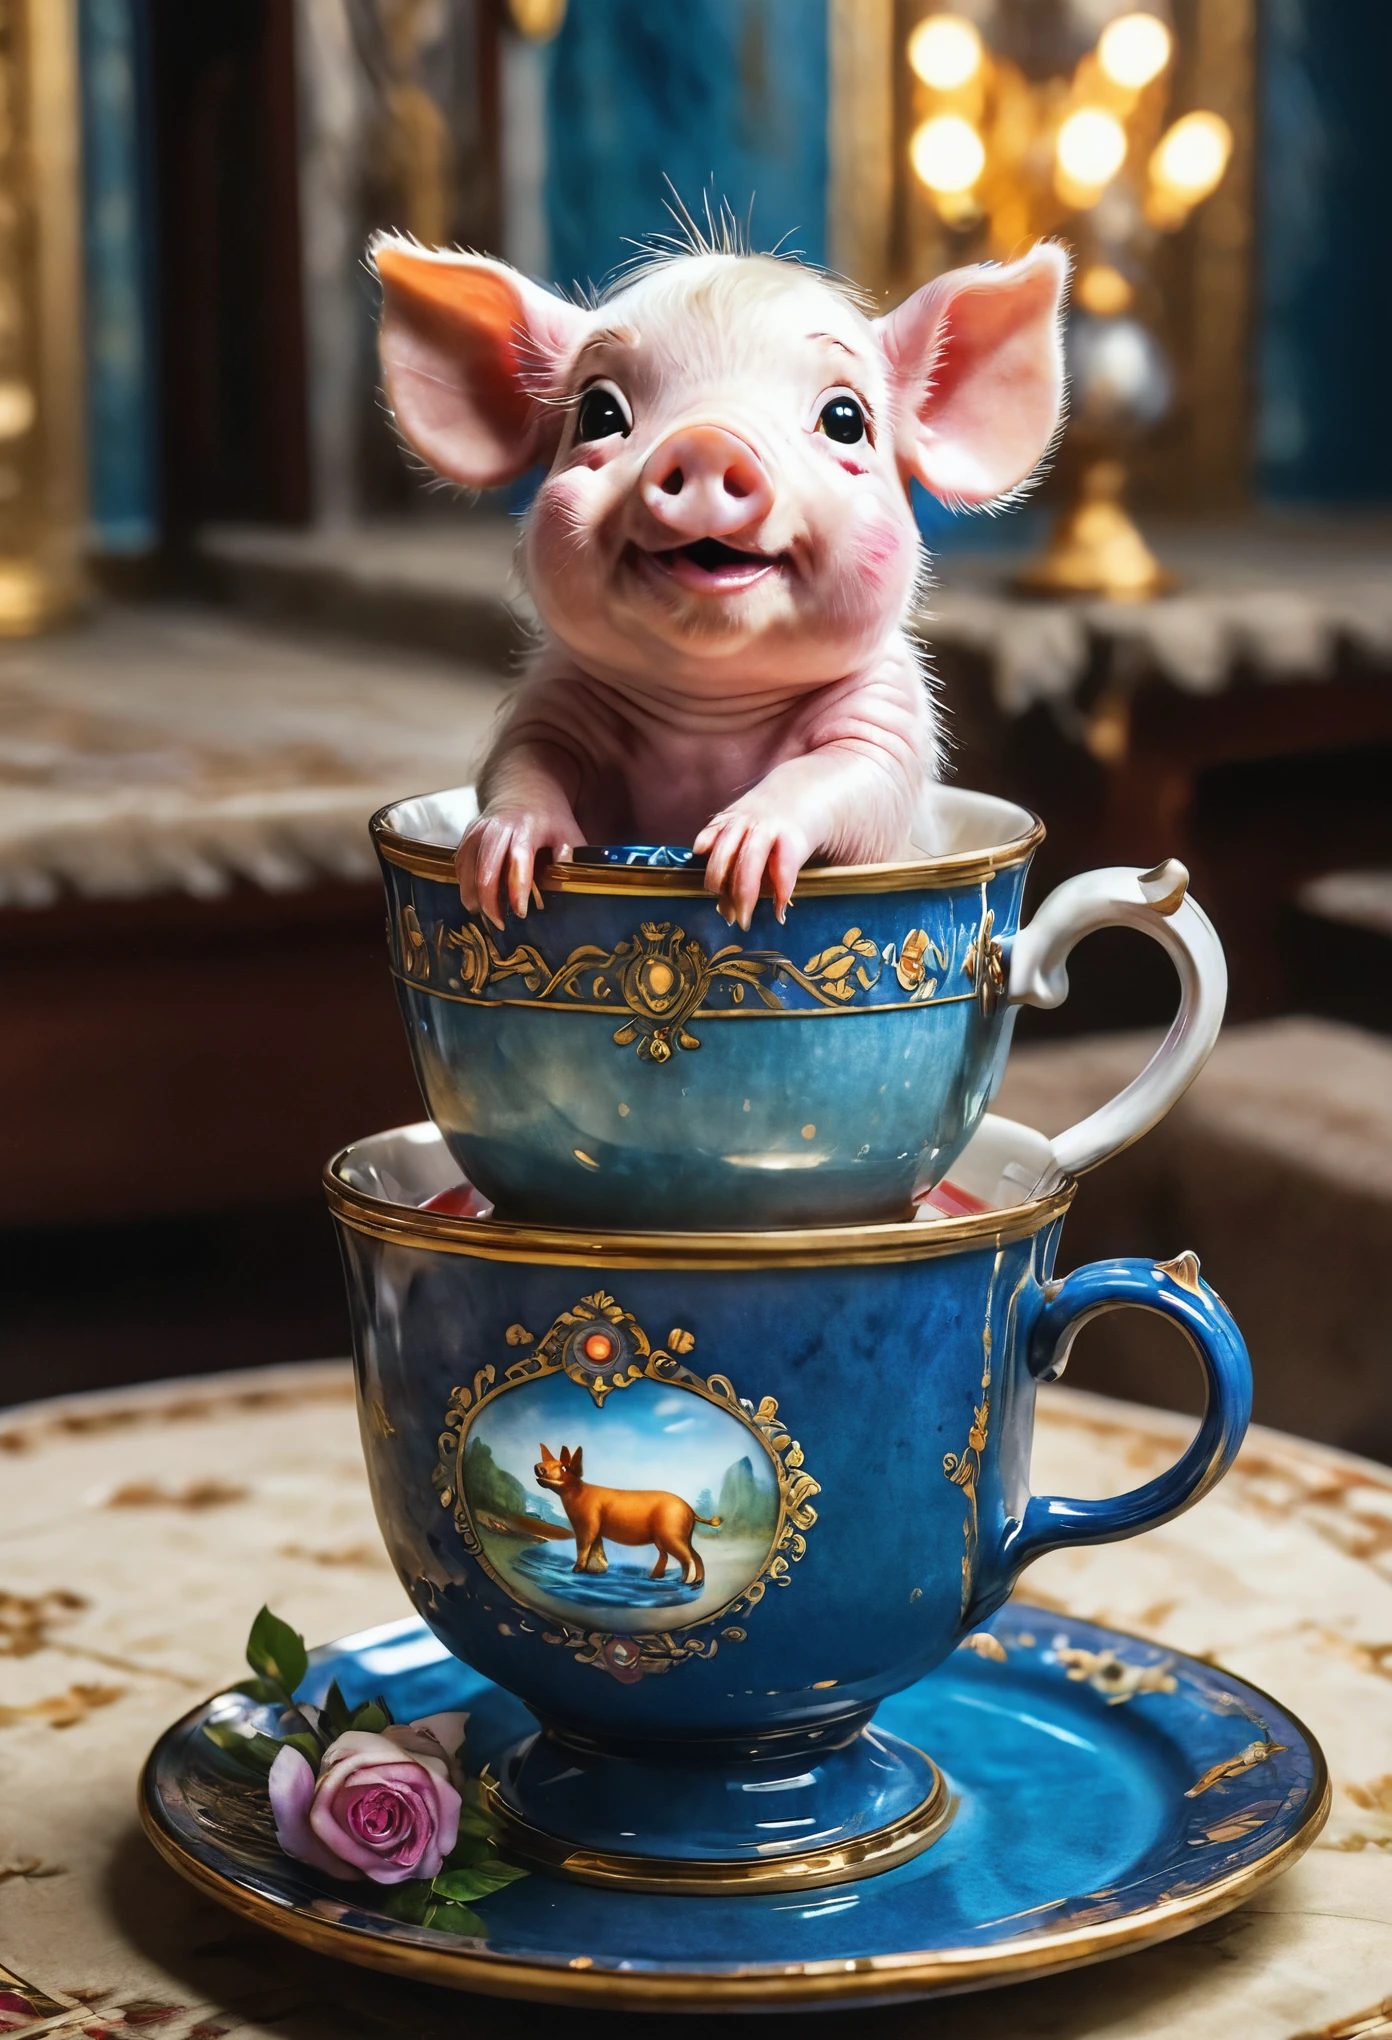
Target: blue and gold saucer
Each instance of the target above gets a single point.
(1108, 1794)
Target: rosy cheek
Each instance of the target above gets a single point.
(879, 548)
(561, 518)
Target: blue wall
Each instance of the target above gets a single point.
(118, 209)
(727, 97)
(1325, 317)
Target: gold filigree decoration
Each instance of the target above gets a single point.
(658, 981)
(572, 1347)
(1183, 1269)
(630, 1658)
(1234, 1767)
(963, 1468)
(912, 963)
(1113, 1677)
(984, 964)
(837, 970)
(415, 957)
(983, 1645)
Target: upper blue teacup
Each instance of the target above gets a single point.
(623, 1058)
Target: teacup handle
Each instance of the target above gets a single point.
(1174, 1290)
(1157, 903)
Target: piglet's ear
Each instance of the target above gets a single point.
(468, 348)
(976, 359)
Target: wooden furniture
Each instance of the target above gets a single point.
(1277, 1167)
(1243, 725)
(172, 1055)
(195, 1005)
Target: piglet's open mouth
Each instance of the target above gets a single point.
(711, 566)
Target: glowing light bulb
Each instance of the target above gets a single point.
(1091, 146)
(1133, 49)
(18, 408)
(1103, 290)
(1190, 160)
(947, 153)
(945, 51)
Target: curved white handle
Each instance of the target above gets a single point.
(1156, 902)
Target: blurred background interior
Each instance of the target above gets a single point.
(236, 621)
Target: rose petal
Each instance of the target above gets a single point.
(291, 1786)
(433, 1817)
(435, 1735)
(361, 1761)
(359, 1746)
(359, 1743)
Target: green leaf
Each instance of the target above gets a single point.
(276, 1651)
(410, 1902)
(474, 1826)
(372, 1716)
(455, 1919)
(267, 1691)
(477, 1881)
(337, 1716)
(256, 1752)
(469, 1852)
(309, 1747)
(419, 1905)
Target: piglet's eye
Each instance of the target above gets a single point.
(600, 415)
(842, 420)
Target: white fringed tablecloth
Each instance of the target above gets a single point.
(159, 750)
(1275, 601)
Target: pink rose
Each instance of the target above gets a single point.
(383, 1806)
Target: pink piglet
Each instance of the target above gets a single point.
(722, 552)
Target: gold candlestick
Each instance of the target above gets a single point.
(42, 439)
(1095, 548)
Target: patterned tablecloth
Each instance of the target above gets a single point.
(140, 1530)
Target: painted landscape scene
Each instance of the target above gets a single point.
(667, 1503)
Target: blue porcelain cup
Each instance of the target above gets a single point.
(623, 1058)
(702, 1500)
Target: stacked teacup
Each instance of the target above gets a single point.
(697, 1337)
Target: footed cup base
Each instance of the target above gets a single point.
(668, 1824)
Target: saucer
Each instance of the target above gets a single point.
(1109, 1794)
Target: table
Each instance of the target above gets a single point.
(1238, 725)
(1277, 599)
(190, 913)
(140, 1530)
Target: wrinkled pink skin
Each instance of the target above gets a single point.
(763, 712)
(382, 1807)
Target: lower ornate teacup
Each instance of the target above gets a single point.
(621, 1057)
(703, 1500)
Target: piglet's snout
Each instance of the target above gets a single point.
(704, 482)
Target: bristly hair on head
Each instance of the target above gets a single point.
(719, 231)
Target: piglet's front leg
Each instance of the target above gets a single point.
(529, 795)
(838, 800)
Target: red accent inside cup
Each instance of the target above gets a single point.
(460, 1201)
(952, 1201)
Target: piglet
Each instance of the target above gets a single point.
(722, 552)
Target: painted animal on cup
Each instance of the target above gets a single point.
(722, 554)
(624, 1515)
